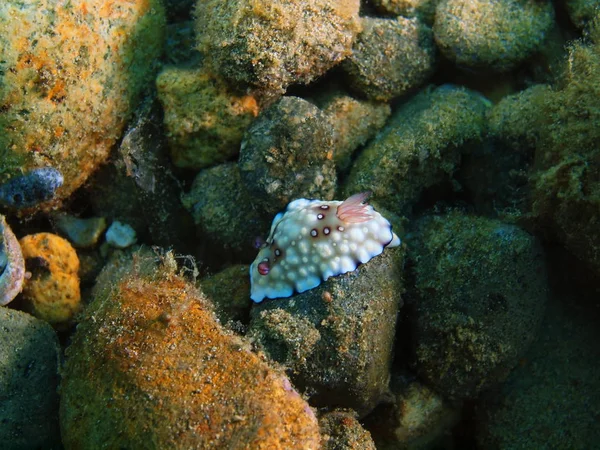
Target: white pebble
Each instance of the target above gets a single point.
(120, 235)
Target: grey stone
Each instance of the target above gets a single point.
(29, 359)
(286, 153)
(479, 293)
(336, 339)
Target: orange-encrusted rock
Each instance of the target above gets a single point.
(150, 366)
(52, 292)
(341, 430)
(70, 75)
(204, 120)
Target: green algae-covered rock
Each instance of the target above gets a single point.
(423, 9)
(336, 340)
(204, 121)
(226, 219)
(514, 120)
(566, 181)
(354, 122)
(268, 45)
(29, 359)
(491, 34)
(478, 297)
(390, 57)
(555, 393)
(71, 74)
(420, 146)
(287, 154)
(582, 12)
(151, 367)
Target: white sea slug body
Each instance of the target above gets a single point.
(313, 240)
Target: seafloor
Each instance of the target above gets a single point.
(161, 286)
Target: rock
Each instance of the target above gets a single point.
(287, 154)
(229, 290)
(479, 294)
(29, 359)
(582, 12)
(12, 264)
(390, 57)
(341, 430)
(139, 188)
(336, 340)
(419, 147)
(490, 34)
(70, 76)
(120, 235)
(82, 233)
(565, 197)
(204, 120)
(496, 174)
(52, 292)
(151, 364)
(554, 393)
(418, 418)
(513, 120)
(268, 45)
(354, 122)
(226, 219)
(30, 189)
(423, 9)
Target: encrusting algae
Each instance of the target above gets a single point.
(52, 292)
(150, 363)
(70, 76)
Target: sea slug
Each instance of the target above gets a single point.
(313, 240)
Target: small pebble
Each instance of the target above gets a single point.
(120, 235)
(82, 233)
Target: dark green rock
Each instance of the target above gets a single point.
(566, 182)
(226, 219)
(29, 358)
(421, 146)
(479, 293)
(554, 393)
(286, 154)
(494, 35)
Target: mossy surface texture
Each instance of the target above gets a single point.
(69, 75)
(566, 184)
(150, 367)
